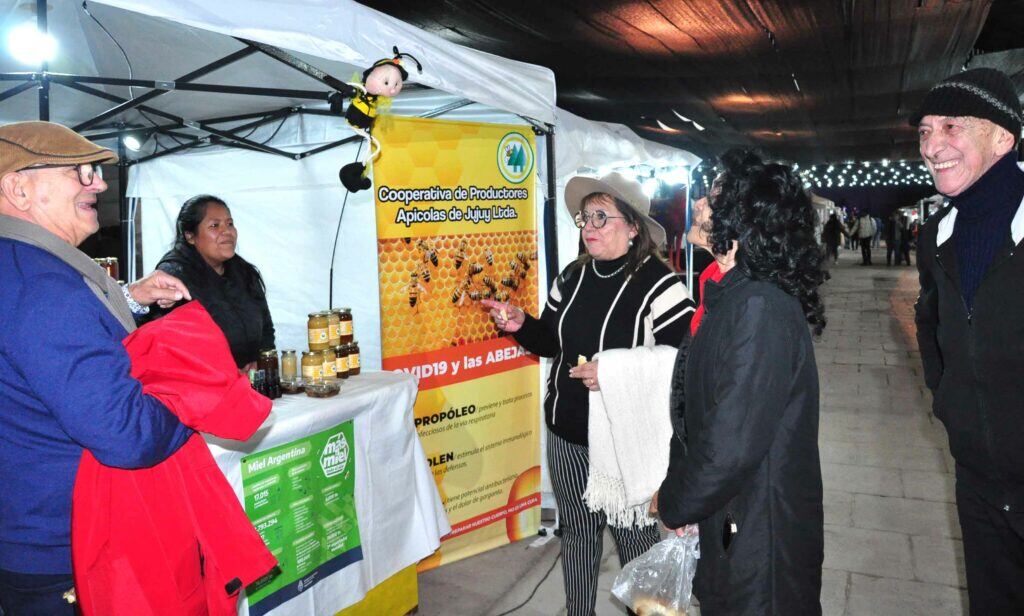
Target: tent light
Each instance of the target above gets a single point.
(30, 46)
(132, 142)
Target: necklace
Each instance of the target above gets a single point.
(593, 266)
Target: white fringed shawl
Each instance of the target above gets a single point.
(629, 432)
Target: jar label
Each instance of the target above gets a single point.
(345, 328)
(332, 331)
(341, 365)
(312, 372)
(318, 335)
(353, 361)
(330, 369)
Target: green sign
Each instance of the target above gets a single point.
(301, 499)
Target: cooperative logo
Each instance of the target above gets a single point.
(334, 459)
(515, 158)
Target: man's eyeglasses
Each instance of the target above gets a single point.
(87, 172)
(598, 219)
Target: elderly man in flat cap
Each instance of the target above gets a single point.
(970, 320)
(64, 376)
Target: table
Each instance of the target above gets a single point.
(401, 518)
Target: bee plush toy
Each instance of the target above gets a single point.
(381, 82)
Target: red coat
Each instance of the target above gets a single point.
(172, 539)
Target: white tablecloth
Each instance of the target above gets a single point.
(401, 518)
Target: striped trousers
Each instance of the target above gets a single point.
(582, 529)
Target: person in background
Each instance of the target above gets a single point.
(893, 239)
(618, 295)
(229, 287)
(745, 467)
(971, 268)
(906, 238)
(65, 384)
(831, 237)
(864, 230)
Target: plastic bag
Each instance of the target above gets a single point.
(659, 582)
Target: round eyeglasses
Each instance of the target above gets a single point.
(597, 220)
(87, 172)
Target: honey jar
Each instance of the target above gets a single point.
(345, 329)
(289, 364)
(312, 365)
(341, 361)
(330, 366)
(317, 327)
(332, 329)
(353, 358)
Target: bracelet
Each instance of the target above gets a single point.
(136, 308)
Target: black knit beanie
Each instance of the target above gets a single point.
(984, 93)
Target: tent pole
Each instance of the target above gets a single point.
(9, 92)
(122, 196)
(228, 135)
(301, 66)
(550, 226)
(138, 100)
(318, 95)
(44, 85)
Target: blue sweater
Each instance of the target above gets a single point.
(65, 385)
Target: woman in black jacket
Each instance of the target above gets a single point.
(746, 468)
(229, 287)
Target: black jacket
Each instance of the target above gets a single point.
(237, 301)
(749, 453)
(974, 362)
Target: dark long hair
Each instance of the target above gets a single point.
(192, 213)
(643, 244)
(765, 209)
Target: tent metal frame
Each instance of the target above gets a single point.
(109, 128)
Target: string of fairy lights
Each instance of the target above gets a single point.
(847, 175)
(850, 174)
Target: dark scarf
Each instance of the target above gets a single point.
(983, 215)
(103, 286)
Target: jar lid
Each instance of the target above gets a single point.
(309, 353)
(343, 309)
(269, 353)
(313, 315)
(292, 351)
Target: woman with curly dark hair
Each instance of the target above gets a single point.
(744, 465)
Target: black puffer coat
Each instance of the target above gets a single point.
(746, 467)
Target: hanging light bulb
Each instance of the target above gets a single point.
(132, 142)
(30, 46)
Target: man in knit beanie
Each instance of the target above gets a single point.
(969, 320)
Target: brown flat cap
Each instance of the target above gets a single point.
(25, 144)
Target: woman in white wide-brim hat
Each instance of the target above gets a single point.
(619, 294)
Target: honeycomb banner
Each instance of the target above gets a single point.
(456, 223)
